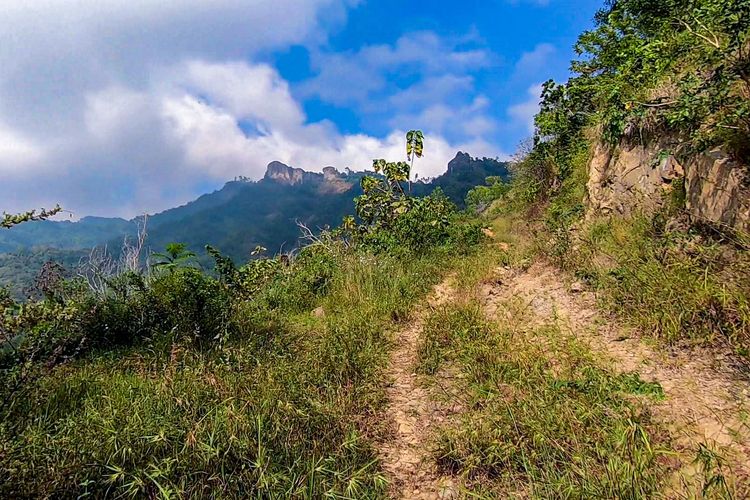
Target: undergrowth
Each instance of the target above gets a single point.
(283, 408)
(674, 285)
(543, 417)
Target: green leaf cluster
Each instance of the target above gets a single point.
(680, 64)
(10, 220)
(392, 220)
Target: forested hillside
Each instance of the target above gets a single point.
(236, 219)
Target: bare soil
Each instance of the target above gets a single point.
(414, 410)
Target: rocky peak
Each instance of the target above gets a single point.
(284, 174)
(330, 181)
(460, 160)
(330, 174)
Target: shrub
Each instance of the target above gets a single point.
(192, 304)
(480, 198)
(393, 221)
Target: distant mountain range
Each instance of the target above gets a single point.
(234, 219)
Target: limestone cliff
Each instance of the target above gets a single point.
(635, 173)
(330, 181)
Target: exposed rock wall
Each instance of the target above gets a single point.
(718, 189)
(633, 176)
(331, 181)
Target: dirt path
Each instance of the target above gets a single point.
(414, 411)
(706, 392)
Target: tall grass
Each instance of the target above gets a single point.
(675, 286)
(284, 407)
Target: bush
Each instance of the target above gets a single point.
(394, 222)
(191, 304)
(480, 198)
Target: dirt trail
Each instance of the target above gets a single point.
(706, 392)
(414, 410)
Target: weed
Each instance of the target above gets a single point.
(543, 416)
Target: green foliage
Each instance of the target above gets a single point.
(175, 256)
(414, 144)
(191, 305)
(10, 220)
(678, 67)
(481, 197)
(464, 174)
(678, 63)
(394, 221)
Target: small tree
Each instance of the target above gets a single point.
(391, 218)
(175, 256)
(414, 148)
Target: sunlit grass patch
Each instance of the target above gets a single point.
(287, 406)
(544, 416)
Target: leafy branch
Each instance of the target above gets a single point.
(10, 220)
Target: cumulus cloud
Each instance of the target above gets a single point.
(422, 80)
(126, 107)
(17, 151)
(535, 61)
(212, 135)
(351, 77)
(524, 112)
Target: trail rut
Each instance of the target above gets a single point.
(413, 412)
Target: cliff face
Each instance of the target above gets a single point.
(331, 181)
(633, 175)
(284, 174)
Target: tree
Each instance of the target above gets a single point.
(10, 220)
(414, 148)
(391, 219)
(175, 256)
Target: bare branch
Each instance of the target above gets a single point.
(714, 43)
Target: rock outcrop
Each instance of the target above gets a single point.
(633, 176)
(331, 181)
(284, 174)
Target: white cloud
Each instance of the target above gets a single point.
(84, 85)
(123, 107)
(470, 120)
(213, 140)
(534, 62)
(421, 81)
(523, 113)
(248, 92)
(17, 151)
(352, 77)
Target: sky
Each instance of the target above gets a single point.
(123, 107)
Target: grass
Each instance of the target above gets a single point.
(676, 286)
(286, 408)
(543, 417)
(673, 286)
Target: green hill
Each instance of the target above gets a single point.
(235, 219)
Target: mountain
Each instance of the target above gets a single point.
(235, 219)
(464, 173)
(85, 233)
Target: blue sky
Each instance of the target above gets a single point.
(526, 42)
(118, 108)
